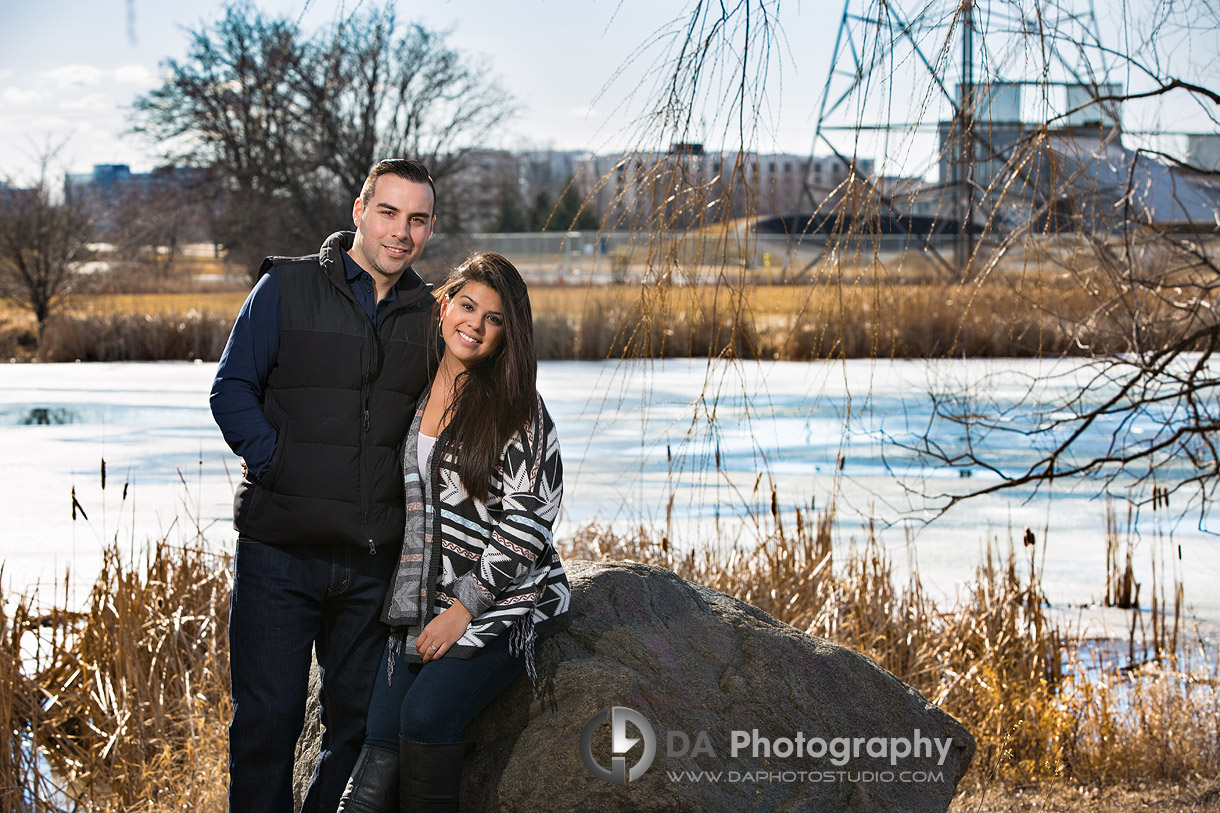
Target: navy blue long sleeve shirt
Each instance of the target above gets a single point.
(250, 355)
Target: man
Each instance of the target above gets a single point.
(314, 392)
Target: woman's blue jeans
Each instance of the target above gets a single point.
(432, 702)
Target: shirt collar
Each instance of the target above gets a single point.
(352, 272)
(351, 268)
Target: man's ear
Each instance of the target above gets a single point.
(357, 211)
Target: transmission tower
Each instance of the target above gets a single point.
(974, 74)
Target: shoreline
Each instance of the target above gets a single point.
(699, 486)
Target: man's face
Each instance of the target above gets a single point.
(393, 228)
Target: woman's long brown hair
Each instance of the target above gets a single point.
(497, 398)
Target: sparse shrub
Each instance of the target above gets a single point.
(125, 337)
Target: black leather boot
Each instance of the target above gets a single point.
(373, 787)
(430, 776)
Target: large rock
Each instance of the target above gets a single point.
(817, 727)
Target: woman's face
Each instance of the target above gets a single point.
(472, 323)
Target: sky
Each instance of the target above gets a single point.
(72, 72)
(581, 71)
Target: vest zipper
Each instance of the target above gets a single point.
(365, 387)
(366, 483)
(375, 361)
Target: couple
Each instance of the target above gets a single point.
(401, 477)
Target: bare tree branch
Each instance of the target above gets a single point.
(44, 237)
(291, 123)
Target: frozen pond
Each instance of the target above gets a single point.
(674, 443)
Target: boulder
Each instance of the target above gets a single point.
(744, 712)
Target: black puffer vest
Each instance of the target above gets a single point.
(340, 398)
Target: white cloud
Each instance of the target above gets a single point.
(88, 102)
(138, 75)
(47, 123)
(19, 97)
(75, 76)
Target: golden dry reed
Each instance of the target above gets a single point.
(132, 693)
(20, 775)
(1012, 315)
(123, 706)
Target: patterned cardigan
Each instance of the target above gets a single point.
(496, 557)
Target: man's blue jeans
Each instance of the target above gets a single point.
(287, 600)
(432, 702)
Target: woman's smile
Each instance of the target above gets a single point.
(472, 324)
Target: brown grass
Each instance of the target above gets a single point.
(126, 337)
(20, 772)
(222, 304)
(121, 328)
(133, 697)
(1012, 316)
(874, 313)
(128, 701)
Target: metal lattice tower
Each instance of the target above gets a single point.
(950, 57)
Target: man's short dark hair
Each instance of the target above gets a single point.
(404, 168)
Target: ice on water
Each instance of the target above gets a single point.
(714, 437)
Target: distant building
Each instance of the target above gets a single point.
(1203, 152)
(1076, 175)
(479, 186)
(550, 170)
(13, 195)
(107, 182)
(489, 177)
(176, 198)
(688, 185)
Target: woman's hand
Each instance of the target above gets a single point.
(443, 632)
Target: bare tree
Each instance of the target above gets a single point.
(291, 123)
(376, 89)
(228, 105)
(147, 222)
(44, 237)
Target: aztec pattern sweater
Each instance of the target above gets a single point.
(497, 557)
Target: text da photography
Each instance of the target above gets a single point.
(620, 745)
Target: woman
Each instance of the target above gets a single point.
(479, 579)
